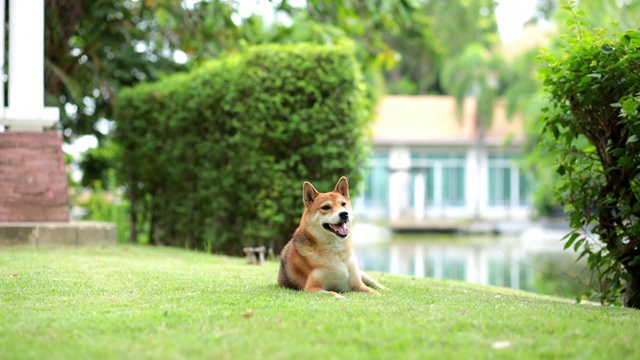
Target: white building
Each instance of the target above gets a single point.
(427, 167)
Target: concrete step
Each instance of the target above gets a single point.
(58, 234)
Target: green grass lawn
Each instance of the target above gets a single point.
(131, 302)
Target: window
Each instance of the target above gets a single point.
(376, 191)
(524, 189)
(453, 185)
(507, 184)
(499, 186)
(443, 177)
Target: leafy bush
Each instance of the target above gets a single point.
(215, 159)
(96, 164)
(594, 92)
(105, 202)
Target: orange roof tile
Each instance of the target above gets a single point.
(433, 120)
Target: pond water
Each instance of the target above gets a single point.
(532, 261)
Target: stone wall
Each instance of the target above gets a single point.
(33, 181)
(49, 234)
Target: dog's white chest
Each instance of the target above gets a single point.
(335, 276)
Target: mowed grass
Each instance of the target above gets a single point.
(131, 302)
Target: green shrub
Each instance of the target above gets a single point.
(594, 93)
(215, 159)
(105, 202)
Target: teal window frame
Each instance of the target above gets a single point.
(499, 181)
(376, 190)
(452, 171)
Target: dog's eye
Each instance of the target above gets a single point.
(344, 204)
(326, 207)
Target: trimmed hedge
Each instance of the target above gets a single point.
(215, 159)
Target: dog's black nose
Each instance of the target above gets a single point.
(344, 215)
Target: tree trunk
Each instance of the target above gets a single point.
(133, 216)
(632, 296)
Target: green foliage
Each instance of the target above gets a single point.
(458, 23)
(96, 164)
(215, 159)
(592, 126)
(475, 73)
(105, 202)
(621, 15)
(596, 13)
(92, 49)
(554, 277)
(374, 28)
(420, 53)
(368, 23)
(438, 32)
(95, 47)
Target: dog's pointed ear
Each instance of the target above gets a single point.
(342, 187)
(309, 193)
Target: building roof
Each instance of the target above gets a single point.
(533, 37)
(432, 120)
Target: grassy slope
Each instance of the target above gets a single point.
(138, 302)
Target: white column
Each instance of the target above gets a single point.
(26, 111)
(418, 196)
(483, 181)
(471, 182)
(515, 187)
(26, 56)
(399, 165)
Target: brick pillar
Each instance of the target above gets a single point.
(33, 180)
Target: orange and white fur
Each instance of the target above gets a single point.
(320, 257)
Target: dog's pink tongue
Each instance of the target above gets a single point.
(341, 229)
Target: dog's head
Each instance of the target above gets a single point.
(328, 215)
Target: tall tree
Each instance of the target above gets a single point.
(420, 53)
(453, 26)
(475, 73)
(458, 23)
(370, 24)
(95, 47)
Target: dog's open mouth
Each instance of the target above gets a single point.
(339, 229)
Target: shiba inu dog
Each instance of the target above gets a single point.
(319, 257)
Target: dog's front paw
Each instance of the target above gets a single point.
(335, 294)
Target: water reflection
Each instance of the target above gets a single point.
(508, 261)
